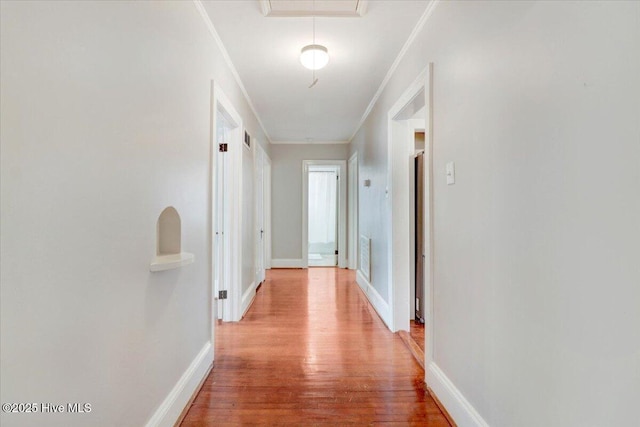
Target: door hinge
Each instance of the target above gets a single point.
(222, 294)
(223, 148)
(336, 252)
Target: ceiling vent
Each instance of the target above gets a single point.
(298, 8)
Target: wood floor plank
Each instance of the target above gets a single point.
(310, 352)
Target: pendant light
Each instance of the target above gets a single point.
(314, 56)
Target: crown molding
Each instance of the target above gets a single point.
(414, 33)
(212, 30)
(307, 142)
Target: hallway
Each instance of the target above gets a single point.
(310, 351)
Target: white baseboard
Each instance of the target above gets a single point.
(247, 298)
(287, 263)
(459, 408)
(171, 408)
(378, 303)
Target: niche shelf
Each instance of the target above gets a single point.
(169, 253)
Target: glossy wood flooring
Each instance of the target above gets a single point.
(416, 331)
(311, 352)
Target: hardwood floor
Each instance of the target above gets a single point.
(416, 331)
(414, 340)
(310, 352)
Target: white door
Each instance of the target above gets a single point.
(221, 255)
(266, 175)
(260, 231)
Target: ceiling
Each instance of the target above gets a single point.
(265, 52)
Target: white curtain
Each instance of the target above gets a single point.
(322, 211)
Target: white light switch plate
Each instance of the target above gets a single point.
(451, 173)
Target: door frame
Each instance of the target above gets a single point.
(232, 305)
(399, 150)
(352, 177)
(342, 209)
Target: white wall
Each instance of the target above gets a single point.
(372, 166)
(105, 122)
(286, 184)
(537, 289)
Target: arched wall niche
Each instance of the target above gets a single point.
(169, 231)
(169, 253)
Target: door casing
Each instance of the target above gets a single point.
(399, 151)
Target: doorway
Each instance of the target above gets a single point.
(322, 208)
(324, 213)
(226, 249)
(418, 221)
(410, 176)
(263, 217)
(221, 255)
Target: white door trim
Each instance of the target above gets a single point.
(232, 305)
(342, 209)
(399, 151)
(353, 211)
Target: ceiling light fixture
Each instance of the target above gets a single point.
(314, 56)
